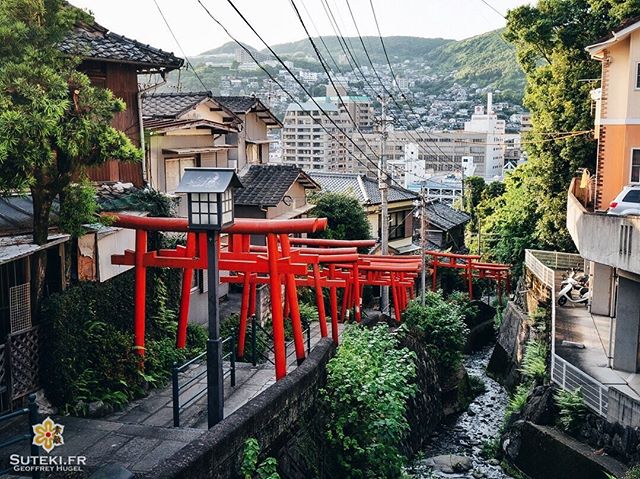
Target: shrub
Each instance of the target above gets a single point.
(365, 399)
(572, 408)
(440, 325)
(534, 362)
(250, 469)
(517, 400)
(308, 313)
(89, 338)
(633, 473)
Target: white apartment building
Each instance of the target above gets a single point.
(494, 131)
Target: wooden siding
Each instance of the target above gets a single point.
(122, 80)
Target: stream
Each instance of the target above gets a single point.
(465, 433)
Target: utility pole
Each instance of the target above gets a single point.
(383, 185)
(423, 243)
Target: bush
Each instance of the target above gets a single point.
(517, 400)
(89, 342)
(572, 408)
(441, 326)
(250, 469)
(368, 384)
(534, 362)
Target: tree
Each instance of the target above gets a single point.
(346, 217)
(550, 40)
(53, 122)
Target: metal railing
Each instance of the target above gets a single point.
(177, 388)
(257, 354)
(543, 264)
(32, 412)
(567, 376)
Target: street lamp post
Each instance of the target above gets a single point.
(210, 205)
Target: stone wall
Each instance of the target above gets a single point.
(622, 408)
(507, 355)
(272, 418)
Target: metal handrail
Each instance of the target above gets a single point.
(255, 326)
(177, 388)
(32, 411)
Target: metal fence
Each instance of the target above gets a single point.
(543, 265)
(32, 412)
(259, 334)
(595, 394)
(178, 388)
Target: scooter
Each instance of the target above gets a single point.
(566, 293)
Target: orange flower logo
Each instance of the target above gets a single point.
(48, 434)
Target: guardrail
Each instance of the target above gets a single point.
(32, 411)
(178, 388)
(543, 265)
(567, 376)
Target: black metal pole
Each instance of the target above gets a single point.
(215, 384)
(175, 392)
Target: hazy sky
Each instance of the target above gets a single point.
(275, 20)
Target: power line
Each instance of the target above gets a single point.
(324, 67)
(295, 100)
(493, 8)
(166, 22)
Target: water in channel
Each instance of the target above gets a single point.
(464, 434)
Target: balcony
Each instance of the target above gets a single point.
(607, 239)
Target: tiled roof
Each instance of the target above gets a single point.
(245, 104)
(445, 217)
(238, 104)
(171, 105)
(266, 185)
(16, 214)
(96, 42)
(364, 188)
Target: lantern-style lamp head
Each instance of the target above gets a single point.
(209, 196)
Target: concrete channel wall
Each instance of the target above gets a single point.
(272, 418)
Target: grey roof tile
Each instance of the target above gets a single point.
(363, 187)
(444, 216)
(266, 185)
(96, 42)
(171, 105)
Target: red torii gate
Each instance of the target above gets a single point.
(472, 269)
(334, 264)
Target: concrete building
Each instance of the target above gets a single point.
(494, 129)
(609, 329)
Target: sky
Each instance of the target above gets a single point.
(275, 20)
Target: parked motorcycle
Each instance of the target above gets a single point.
(571, 284)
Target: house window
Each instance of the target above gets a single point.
(396, 225)
(637, 75)
(635, 166)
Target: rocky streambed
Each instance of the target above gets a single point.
(455, 449)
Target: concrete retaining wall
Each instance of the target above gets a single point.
(271, 418)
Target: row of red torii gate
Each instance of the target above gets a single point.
(285, 264)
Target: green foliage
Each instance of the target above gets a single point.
(78, 208)
(497, 319)
(441, 326)
(308, 313)
(369, 382)
(53, 121)
(550, 39)
(490, 448)
(477, 385)
(346, 216)
(231, 326)
(572, 409)
(155, 202)
(534, 362)
(250, 469)
(632, 473)
(89, 347)
(517, 400)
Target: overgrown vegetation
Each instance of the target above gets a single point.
(572, 408)
(89, 347)
(251, 468)
(369, 382)
(534, 362)
(517, 400)
(550, 39)
(440, 324)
